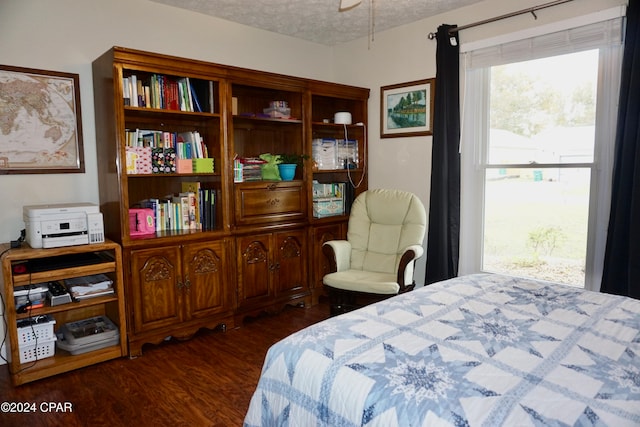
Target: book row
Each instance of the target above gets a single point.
(188, 210)
(187, 145)
(168, 93)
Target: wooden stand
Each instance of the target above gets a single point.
(17, 270)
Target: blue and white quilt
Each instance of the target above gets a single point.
(479, 350)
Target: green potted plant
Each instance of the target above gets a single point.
(287, 164)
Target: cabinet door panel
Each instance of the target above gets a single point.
(291, 261)
(155, 285)
(254, 269)
(205, 279)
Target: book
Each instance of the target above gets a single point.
(193, 187)
(182, 212)
(194, 96)
(193, 214)
(126, 92)
(211, 98)
(133, 96)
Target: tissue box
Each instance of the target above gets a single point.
(328, 206)
(202, 165)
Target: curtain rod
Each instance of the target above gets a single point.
(531, 10)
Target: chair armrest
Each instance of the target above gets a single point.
(411, 253)
(338, 253)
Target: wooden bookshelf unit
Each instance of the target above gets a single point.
(27, 266)
(263, 251)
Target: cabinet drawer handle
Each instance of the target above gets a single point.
(272, 187)
(273, 202)
(274, 267)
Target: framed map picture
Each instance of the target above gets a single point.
(40, 122)
(406, 109)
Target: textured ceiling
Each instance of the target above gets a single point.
(319, 20)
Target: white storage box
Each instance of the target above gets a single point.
(75, 349)
(88, 335)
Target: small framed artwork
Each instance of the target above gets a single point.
(40, 122)
(406, 109)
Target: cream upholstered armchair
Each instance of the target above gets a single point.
(384, 238)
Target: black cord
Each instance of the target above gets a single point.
(4, 316)
(4, 322)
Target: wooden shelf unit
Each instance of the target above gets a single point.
(269, 220)
(112, 306)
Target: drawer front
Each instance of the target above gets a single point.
(257, 203)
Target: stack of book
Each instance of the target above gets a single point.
(89, 286)
(252, 168)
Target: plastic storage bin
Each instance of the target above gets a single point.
(29, 353)
(39, 328)
(36, 339)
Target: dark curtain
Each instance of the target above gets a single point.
(621, 273)
(443, 239)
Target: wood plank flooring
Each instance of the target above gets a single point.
(205, 381)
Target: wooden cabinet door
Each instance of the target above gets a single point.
(206, 281)
(290, 261)
(255, 266)
(156, 287)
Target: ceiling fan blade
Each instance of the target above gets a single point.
(348, 4)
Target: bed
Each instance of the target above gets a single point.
(477, 350)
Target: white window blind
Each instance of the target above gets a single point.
(592, 36)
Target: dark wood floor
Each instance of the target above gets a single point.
(205, 381)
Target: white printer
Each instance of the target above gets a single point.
(67, 224)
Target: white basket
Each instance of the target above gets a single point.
(27, 335)
(44, 349)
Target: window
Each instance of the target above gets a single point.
(538, 131)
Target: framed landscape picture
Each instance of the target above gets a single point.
(406, 109)
(40, 122)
